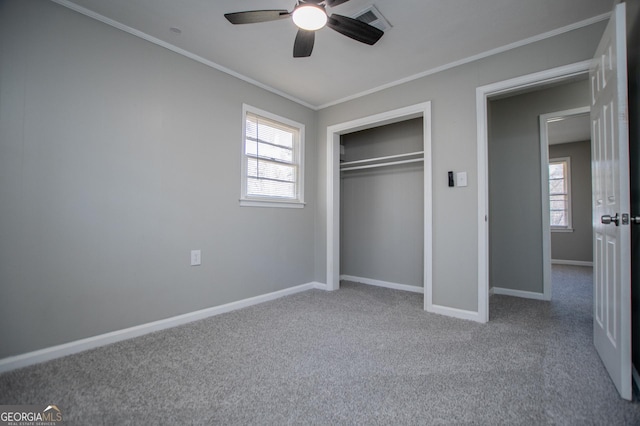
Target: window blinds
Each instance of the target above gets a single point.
(271, 160)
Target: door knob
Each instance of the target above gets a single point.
(608, 219)
(635, 219)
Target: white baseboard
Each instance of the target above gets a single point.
(53, 352)
(571, 262)
(518, 293)
(378, 283)
(318, 286)
(436, 309)
(454, 312)
(491, 292)
(635, 375)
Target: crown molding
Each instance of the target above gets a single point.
(482, 55)
(84, 11)
(91, 14)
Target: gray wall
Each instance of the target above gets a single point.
(515, 200)
(454, 140)
(576, 245)
(382, 209)
(117, 157)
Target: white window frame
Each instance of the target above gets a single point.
(569, 226)
(298, 152)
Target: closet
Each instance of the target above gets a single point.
(382, 205)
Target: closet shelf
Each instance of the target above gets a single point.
(382, 161)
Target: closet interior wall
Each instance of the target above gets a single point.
(382, 204)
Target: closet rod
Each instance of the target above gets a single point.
(391, 163)
(388, 157)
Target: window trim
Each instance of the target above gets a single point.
(254, 201)
(569, 226)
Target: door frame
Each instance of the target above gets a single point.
(483, 93)
(544, 169)
(333, 186)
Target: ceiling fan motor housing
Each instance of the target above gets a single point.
(310, 16)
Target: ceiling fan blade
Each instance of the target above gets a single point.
(303, 46)
(334, 3)
(355, 29)
(255, 16)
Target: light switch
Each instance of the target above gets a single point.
(196, 258)
(461, 178)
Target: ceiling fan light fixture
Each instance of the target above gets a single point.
(309, 17)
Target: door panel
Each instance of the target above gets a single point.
(611, 203)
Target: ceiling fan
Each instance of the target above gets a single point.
(310, 16)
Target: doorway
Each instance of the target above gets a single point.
(485, 214)
(519, 248)
(381, 204)
(334, 132)
(565, 151)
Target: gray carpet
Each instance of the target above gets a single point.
(361, 355)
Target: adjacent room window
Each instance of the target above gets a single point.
(272, 160)
(560, 193)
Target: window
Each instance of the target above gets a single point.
(560, 193)
(272, 160)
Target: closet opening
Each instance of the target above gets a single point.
(367, 160)
(382, 206)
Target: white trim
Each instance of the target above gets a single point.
(386, 284)
(271, 203)
(536, 79)
(455, 313)
(561, 230)
(333, 185)
(58, 351)
(545, 205)
(519, 293)
(265, 201)
(473, 58)
(482, 95)
(318, 286)
(180, 51)
(571, 262)
(200, 59)
(483, 205)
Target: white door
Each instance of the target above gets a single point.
(611, 230)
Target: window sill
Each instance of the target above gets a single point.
(561, 229)
(272, 203)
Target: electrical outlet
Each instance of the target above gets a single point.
(196, 258)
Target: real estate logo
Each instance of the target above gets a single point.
(30, 415)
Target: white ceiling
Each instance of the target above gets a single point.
(573, 128)
(426, 35)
